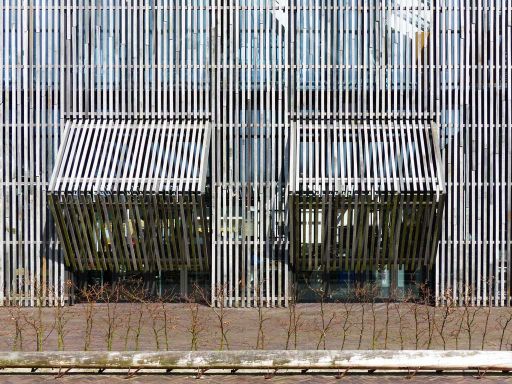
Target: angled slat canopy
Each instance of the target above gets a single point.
(151, 156)
(365, 195)
(360, 232)
(130, 196)
(336, 157)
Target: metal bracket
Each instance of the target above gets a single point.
(340, 375)
(129, 375)
(200, 372)
(271, 375)
(480, 374)
(61, 374)
(411, 374)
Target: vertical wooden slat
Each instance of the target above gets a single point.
(252, 68)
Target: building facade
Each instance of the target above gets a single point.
(256, 146)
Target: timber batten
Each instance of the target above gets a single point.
(252, 68)
(130, 196)
(359, 232)
(374, 201)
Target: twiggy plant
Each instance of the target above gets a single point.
(346, 322)
(361, 295)
(503, 322)
(325, 320)
(62, 316)
(110, 297)
(219, 310)
(16, 315)
(295, 322)
(196, 326)
(429, 315)
(401, 316)
(262, 318)
(446, 316)
(90, 295)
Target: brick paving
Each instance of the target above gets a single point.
(141, 327)
(142, 322)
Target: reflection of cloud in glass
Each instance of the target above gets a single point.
(280, 13)
(410, 17)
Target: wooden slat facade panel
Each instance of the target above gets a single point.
(115, 156)
(249, 152)
(31, 264)
(251, 68)
(359, 232)
(132, 232)
(390, 159)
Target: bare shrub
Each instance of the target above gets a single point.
(372, 292)
(295, 321)
(158, 323)
(387, 305)
(361, 295)
(458, 326)
(35, 319)
(325, 320)
(416, 314)
(401, 315)
(469, 322)
(486, 326)
(90, 295)
(503, 322)
(128, 322)
(262, 318)
(346, 321)
(466, 321)
(429, 316)
(446, 316)
(487, 311)
(167, 318)
(16, 316)
(196, 326)
(139, 324)
(109, 295)
(135, 292)
(161, 320)
(62, 314)
(219, 310)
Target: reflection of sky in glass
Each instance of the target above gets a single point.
(409, 17)
(375, 160)
(406, 22)
(405, 31)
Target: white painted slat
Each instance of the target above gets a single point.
(85, 164)
(252, 68)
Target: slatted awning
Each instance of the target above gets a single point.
(151, 156)
(129, 196)
(398, 156)
(364, 195)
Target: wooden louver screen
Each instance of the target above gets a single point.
(131, 196)
(363, 157)
(365, 195)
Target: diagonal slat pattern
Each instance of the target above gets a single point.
(131, 196)
(365, 195)
(113, 156)
(398, 156)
